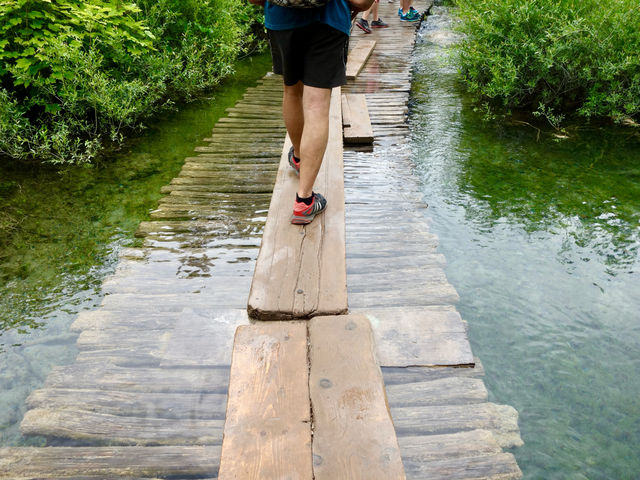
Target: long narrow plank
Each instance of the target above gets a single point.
(359, 130)
(501, 420)
(354, 436)
(501, 466)
(267, 433)
(108, 377)
(108, 462)
(301, 270)
(137, 404)
(358, 56)
(101, 428)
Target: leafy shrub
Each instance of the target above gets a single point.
(75, 75)
(553, 56)
(199, 40)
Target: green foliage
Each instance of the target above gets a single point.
(553, 56)
(199, 40)
(76, 75)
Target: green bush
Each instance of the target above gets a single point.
(553, 57)
(76, 75)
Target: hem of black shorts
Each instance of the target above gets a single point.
(310, 84)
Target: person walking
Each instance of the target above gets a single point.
(309, 49)
(363, 23)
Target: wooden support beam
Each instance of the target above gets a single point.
(358, 56)
(353, 438)
(267, 433)
(301, 270)
(358, 130)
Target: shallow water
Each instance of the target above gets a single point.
(542, 237)
(70, 226)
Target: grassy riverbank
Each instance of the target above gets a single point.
(553, 57)
(76, 76)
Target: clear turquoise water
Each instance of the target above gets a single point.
(541, 236)
(67, 229)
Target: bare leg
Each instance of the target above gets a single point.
(316, 102)
(405, 4)
(293, 114)
(374, 11)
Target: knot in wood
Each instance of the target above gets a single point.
(325, 383)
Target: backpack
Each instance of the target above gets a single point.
(299, 3)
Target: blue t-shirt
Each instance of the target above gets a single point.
(336, 14)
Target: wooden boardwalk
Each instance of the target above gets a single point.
(147, 394)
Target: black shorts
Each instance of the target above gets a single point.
(315, 54)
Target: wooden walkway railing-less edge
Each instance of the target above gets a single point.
(147, 395)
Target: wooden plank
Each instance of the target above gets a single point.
(396, 375)
(108, 462)
(137, 404)
(346, 112)
(500, 420)
(194, 341)
(108, 377)
(500, 466)
(353, 437)
(473, 443)
(419, 336)
(443, 391)
(358, 55)
(359, 130)
(101, 428)
(267, 433)
(301, 270)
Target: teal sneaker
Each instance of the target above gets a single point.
(411, 16)
(411, 9)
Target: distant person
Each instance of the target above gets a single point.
(363, 23)
(309, 49)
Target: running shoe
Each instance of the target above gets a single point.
(363, 25)
(411, 9)
(378, 24)
(303, 214)
(294, 162)
(411, 16)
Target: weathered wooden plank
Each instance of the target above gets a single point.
(358, 55)
(267, 433)
(346, 112)
(419, 336)
(300, 271)
(443, 391)
(192, 341)
(359, 130)
(426, 448)
(28, 463)
(429, 295)
(108, 377)
(500, 420)
(101, 428)
(136, 404)
(353, 437)
(500, 466)
(396, 375)
(171, 302)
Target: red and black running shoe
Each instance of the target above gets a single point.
(294, 162)
(303, 214)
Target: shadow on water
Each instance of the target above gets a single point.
(62, 231)
(542, 237)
